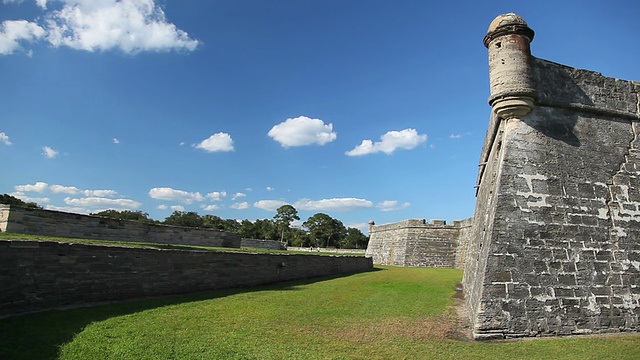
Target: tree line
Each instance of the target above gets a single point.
(319, 230)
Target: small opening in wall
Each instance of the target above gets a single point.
(498, 44)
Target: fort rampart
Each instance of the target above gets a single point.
(555, 246)
(15, 219)
(413, 242)
(39, 275)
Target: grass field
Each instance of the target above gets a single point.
(390, 313)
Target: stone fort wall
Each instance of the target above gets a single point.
(555, 244)
(15, 219)
(40, 275)
(413, 242)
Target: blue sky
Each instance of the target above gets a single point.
(364, 110)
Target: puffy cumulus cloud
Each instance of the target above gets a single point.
(218, 142)
(100, 193)
(4, 138)
(115, 141)
(161, 207)
(15, 32)
(335, 204)
(20, 195)
(95, 202)
(132, 26)
(216, 195)
(210, 207)
(390, 142)
(38, 187)
(177, 207)
(49, 153)
(240, 206)
(302, 131)
(269, 205)
(238, 195)
(392, 205)
(64, 189)
(169, 194)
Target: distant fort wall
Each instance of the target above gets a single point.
(15, 219)
(414, 242)
(263, 244)
(40, 275)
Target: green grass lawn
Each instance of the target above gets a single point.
(16, 236)
(391, 313)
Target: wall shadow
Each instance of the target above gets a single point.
(40, 335)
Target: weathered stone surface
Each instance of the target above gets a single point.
(554, 247)
(413, 242)
(263, 244)
(39, 275)
(15, 219)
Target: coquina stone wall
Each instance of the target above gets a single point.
(15, 219)
(413, 242)
(263, 244)
(39, 275)
(555, 245)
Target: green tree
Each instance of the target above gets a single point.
(325, 229)
(259, 229)
(12, 200)
(355, 239)
(125, 215)
(186, 219)
(284, 216)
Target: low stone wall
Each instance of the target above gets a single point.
(39, 275)
(330, 250)
(413, 242)
(15, 219)
(263, 244)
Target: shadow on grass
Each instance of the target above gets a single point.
(40, 335)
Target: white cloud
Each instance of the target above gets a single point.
(93, 202)
(336, 204)
(20, 195)
(389, 142)
(13, 32)
(238, 195)
(4, 138)
(131, 26)
(177, 207)
(38, 187)
(64, 189)
(392, 205)
(216, 143)
(302, 131)
(100, 193)
(459, 136)
(61, 189)
(161, 207)
(116, 141)
(269, 205)
(269, 188)
(169, 194)
(49, 152)
(240, 206)
(216, 195)
(210, 207)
